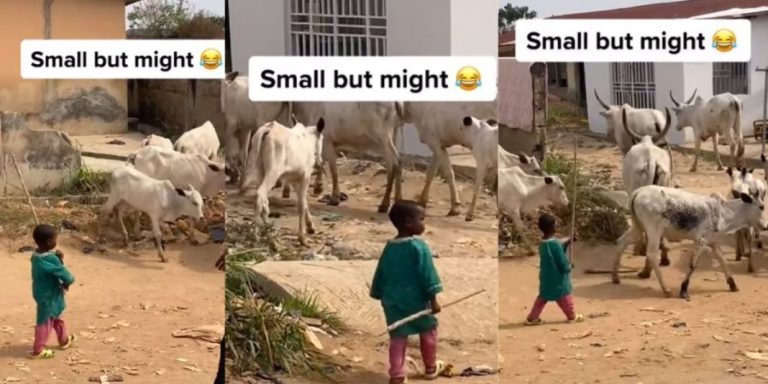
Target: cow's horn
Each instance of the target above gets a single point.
(599, 100)
(664, 131)
(692, 96)
(671, 96)
(629, 130)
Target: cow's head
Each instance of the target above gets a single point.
(216, 178)
(317, 132)
(555, 190)
(660, 135)
(529, 164)
(738, 186)
(190, 203)
(749, 209)
(612, 114)
(684, 111)
(470, 124)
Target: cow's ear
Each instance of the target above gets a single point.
(523, 158)
(548, 180)
(751, 170)
(492, 122)
(467, 121)
(745, 197)
(180, 191)
(762, 157)
(729, 171)
(320, 125)
(214, 167)
(604, 113)
(744, 171)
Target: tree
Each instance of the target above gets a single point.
(509, 14)
(159, 18)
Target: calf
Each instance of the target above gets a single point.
(439, 126)
(242, 118)
(157, 141)
(202, 140)
(529, 164)
(744, 182)
(159, 199)
(657, 211)
(720, 115)
(357, 127)
(522, 193)
(180, 169)
(647, 164)
(644, 121)
(484, 136)
(287, 154)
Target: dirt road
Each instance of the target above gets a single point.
(358, 226)
(123, 308)
(636, 335)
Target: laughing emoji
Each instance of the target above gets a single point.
(724, 40)
(468, 78)
(210, 58)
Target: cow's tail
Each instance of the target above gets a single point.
(737, 127)
(131, 159)
(635, 222)
(400, 113)
(255, 161)
(652, 173)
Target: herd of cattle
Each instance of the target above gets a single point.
(658, 207)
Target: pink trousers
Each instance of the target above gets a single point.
(43, 331)
(565, 303)
(398, 346)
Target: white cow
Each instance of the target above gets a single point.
(439, 125)
(206, 176)
(644, 121)
(529, 164)
(202, 140)
(159, 199)
(658, 211)
(720, 115)
(287, 154)
(357, 127)
(647, 164)
(484, 136)
(243, 117)
(743, 181)
(157, 141)
(520, 192)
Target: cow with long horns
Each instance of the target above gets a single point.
(720, 115)
(643, 121)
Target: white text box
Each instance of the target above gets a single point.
(121, 59)
(391, 78)
(640, 40)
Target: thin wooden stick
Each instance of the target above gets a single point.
(575, 191)
(26, 191)
(425, 312)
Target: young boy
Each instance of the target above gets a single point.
(554, 274)
(50, 278)
(406, 282)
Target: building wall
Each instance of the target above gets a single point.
(753, 103)
(515, 94)
(74, 106)
(474, 28)
(257, 28)
(419, 28)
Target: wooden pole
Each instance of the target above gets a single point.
(575, 191)
(425, 312)
(26, 191)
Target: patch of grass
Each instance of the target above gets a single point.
(18, 220)
(564, 114)
(84, 182)
(306, 305)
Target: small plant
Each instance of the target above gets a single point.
(85, 182)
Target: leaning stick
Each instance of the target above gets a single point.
(425, 312)
(24, 185)
(575, 190)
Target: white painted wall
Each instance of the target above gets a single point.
(418, 28)
(474, 28)
(753, 103)
(257, 28)
(596, 76)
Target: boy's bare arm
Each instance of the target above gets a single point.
(436, 308)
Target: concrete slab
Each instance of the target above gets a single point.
(342, 286)
(752, 151)
(101, 165)
(97, 145)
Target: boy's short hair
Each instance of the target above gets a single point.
(547, 223)
(43, 233)
(403, 210)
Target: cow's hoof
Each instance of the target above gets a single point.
(317, 192)
(454, 212)
(692, 170)
(720, 168)
(616, 280)
(683, 295)
(163, 259)
(750, 270)
(332, 202)
(310, 231)
(343, 196)
(286, 195)
(732, 285)
(644, 274)
(383, 208)
(664, 262)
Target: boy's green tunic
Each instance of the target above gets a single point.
(405, 281)
(47, 275)
(554, 281)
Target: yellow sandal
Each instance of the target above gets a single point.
(439, 367)
(44, 354)
(69, 342)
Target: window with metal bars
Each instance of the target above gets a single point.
(338, 28)
(634, 84)
(730, 77)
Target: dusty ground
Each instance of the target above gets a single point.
(358, 226)
(636, 335)
(123, 307)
